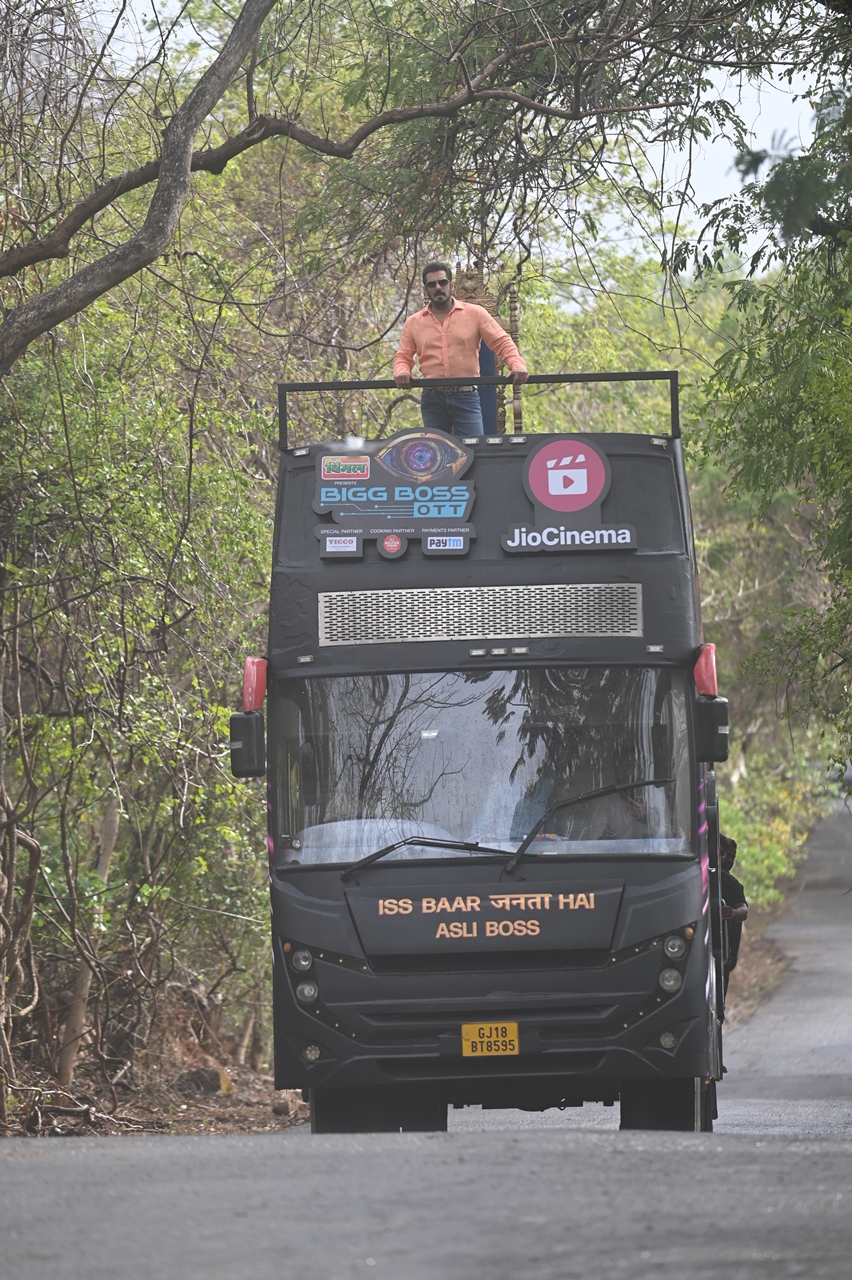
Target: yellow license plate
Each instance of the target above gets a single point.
(489, 1039)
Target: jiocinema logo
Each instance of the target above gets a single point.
(558, 538)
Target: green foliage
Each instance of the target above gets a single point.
(608, 311)
(779, 414)
(769, 813)
(135, 548)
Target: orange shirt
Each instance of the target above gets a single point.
(451, 349)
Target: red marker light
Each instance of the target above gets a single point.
(704, 671)
(254, 684)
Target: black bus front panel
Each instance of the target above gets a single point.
(602, 1008)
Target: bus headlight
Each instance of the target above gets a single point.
(674, 947)
(668, 1039)
(308, 992)
(670, 980)
(301, 960)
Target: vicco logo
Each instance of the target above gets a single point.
(346, 468)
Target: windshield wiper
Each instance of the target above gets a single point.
(428, 842)
(566, 804)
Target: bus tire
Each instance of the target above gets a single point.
(660, 1104)
(422, 1113)
(383, 1110)
(333, 1111)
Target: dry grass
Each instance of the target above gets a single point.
(243, 1102)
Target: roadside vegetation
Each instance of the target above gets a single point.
(137, 459)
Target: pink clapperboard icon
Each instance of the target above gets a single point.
(566, 475)
(565, 479)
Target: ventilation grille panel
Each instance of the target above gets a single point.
(480, 613)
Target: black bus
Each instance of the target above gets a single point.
(492, 722)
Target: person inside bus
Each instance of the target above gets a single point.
(734, 905)
(445, 337)
(627, 817)
(531, 807)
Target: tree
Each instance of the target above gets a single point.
(120, 615)
(41, 313)
(512, 109)
(778, 406)
(135, 470)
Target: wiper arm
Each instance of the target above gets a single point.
(428, 842)
(566, 804)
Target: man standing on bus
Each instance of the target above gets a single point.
(445, 337)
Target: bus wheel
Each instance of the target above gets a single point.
(421, 1113)
(709, 1110)
(660, 1104)
(351, 1111)
(332, 1111)
(376, 1111)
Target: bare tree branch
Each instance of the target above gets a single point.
(40, 314)
(214, 159)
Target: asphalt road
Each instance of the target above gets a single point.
(503, 1195)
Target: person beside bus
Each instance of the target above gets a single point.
(445, 337)
(734, 905)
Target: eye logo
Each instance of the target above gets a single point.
(567, 475)
(423, 457)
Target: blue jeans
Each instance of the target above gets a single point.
(458, 413)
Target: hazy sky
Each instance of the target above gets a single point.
(769, 111)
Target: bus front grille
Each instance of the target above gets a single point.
(480, 613)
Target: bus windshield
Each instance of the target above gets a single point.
(363, 761)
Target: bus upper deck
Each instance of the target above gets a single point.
(578, 544)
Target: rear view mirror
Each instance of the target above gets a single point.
(711, 729)
(248, 747)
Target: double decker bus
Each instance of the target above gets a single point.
(492, 723)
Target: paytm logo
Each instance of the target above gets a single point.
(566, 479)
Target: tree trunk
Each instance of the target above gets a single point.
(243, 1040)
(256, 1051)
(75, 1026)
(27, 321)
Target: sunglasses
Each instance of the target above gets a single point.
(437, 284)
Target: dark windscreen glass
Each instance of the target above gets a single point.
(362, 761)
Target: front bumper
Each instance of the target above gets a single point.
(583, 1027)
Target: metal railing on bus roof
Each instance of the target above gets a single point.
(535, 379)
